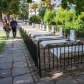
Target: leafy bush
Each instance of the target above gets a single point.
(67, 19)
(34, 19)
(41, 11)
(80, 34)
(49, 17)
(66, 31)
(80, 20)
(59, 18)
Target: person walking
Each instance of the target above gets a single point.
(13, 25)
(7, 29)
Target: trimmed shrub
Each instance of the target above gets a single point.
(34, 19)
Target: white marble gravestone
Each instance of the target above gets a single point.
(61, 32)
(47, 28)
(43, 27)
(53, 30)
(72, 35)
(40, 26)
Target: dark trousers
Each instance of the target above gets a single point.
(14, 31)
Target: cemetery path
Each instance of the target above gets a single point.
(16, 68)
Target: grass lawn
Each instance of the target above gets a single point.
(2, 39)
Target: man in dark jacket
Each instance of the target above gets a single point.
(13, 25)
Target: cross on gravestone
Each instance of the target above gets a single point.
(61, 32)
(72, 35)
(53, 30)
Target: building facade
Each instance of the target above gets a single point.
(56, 3)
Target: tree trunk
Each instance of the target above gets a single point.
(1, 20)
(35, 12)
(1, 17)
(28, 10)
(8, 17)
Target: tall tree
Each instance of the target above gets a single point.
(41, 10)
(9, 7)
(79, 4)
(34, 7)
(48, 4)
(4, 7)
(23, 12)
(14, 7)
(42, 0)
(29, 1)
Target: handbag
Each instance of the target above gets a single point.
(9, 29)
(4, 28)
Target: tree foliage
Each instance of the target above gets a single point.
(14, 4)
(34, 7)
(49, 17)
(41, 10)
(48, 4)
(29, 1)
(4, 7)
(79, 5)
(42, 0)
(23, 12)
(34, 19)
(66, 18)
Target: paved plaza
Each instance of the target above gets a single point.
(15, 67)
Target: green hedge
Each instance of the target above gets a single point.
(80, 34)
(66, 31)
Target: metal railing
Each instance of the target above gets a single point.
(31, 46)
(54, 56)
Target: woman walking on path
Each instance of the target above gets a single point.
(7, 29)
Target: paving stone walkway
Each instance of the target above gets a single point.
(15, 69)
(13, 64)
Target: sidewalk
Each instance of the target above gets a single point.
(15, 67)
